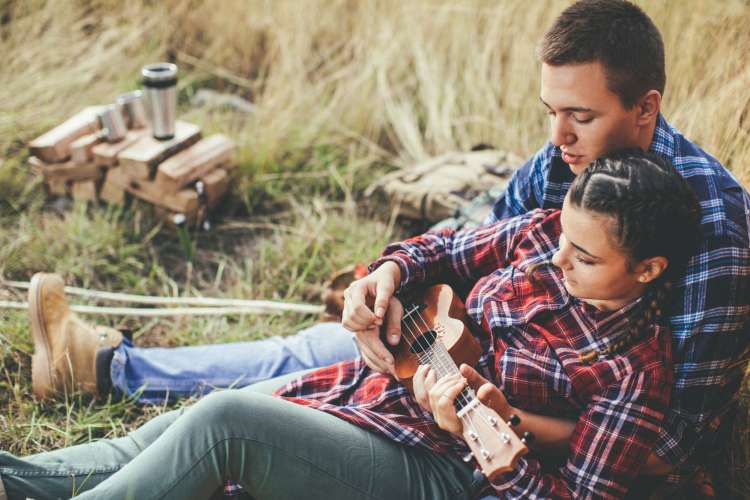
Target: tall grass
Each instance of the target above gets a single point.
(375, 78)
(342, 90)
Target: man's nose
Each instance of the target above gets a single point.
(560, 133)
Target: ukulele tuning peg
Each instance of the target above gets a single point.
(514, 420)
(527, 438)
(467, 458)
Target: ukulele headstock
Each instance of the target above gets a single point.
(494, 445)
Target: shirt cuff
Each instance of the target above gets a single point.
(512, 478)
(409, 271)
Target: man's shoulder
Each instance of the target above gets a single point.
(723, 199)
(692, 160)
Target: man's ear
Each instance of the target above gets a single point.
(651, 268)
(648, 107)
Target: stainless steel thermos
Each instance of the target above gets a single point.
(160, 84)
(113, 124)
(133, 109)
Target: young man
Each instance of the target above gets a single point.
(69, 353)
(602, 81)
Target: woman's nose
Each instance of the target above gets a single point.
(559, 259)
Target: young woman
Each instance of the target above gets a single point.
(567, 305)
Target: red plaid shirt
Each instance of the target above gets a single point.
(533, 337)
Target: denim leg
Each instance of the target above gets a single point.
(171, 373)
(68, 471)
(279, 450)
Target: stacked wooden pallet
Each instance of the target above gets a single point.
(186, 175)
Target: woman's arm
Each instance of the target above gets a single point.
(552, 434)
(446, 257)
(610, 444)
(460, 258)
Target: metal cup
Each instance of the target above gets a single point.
(131, 105)
(113, 125)
(160, 82)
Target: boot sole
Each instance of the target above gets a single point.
(41, 364)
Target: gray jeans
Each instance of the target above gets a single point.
(274, 448)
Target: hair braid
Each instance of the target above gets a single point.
(654, 213)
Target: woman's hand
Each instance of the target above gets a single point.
(365, 322)
(487, 392)
(438, 396)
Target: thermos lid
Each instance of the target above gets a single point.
(129, 97)
(159, 74)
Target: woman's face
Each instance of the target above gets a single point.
(596, 270)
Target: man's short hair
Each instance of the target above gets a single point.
(615, 33)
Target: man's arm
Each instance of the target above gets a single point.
(709, 323)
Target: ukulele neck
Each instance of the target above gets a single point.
(431, 351)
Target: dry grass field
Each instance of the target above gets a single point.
(343, 91)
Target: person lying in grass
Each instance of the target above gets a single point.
(602, 81)
(568, 305)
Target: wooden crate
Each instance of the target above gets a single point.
(184, 201)
(106, 153)
(67, 171)
(193, 163)
(140, 159)
(54, 145)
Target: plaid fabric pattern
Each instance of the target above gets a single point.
(533, 335)
(711, 305)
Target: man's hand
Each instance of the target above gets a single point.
(366, 323)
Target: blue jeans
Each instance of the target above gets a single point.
(176, 372)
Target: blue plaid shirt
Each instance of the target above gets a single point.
(710, 306)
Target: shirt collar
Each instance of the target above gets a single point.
(663, 141)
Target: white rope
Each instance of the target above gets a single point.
(179, 311)
(264, 305)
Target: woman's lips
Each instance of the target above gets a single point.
(568, 280)
(571, 159)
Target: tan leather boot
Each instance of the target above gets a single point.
(64, 346)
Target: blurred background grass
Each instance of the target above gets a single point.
(342, 92)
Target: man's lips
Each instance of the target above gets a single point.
(569, 158)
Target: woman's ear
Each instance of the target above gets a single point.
(648, 107)
(651, 268)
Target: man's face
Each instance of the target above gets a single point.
(587, 120)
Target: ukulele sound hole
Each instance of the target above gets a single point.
(423, 342)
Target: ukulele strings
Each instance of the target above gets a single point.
(442, 363)
(439, 359)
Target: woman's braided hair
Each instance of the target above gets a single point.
(656, 213)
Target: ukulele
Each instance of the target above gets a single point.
(434, 332)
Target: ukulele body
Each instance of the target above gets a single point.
(441, 316)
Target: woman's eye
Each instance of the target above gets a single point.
(584, 261)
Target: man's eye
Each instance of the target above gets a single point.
(582, 120)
